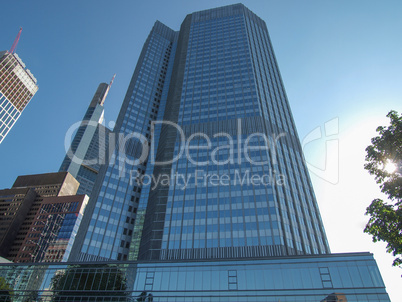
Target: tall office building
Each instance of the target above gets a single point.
(89, 146)
(222, 209)
(39, 217)
(17, 87)
(247, 191)
(218, 81)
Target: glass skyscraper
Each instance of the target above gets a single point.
(89, 147)
(112, 210)
(238, 184)
(206, 196)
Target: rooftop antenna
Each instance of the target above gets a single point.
(111, 82)
(17, 38)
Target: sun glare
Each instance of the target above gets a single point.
(390, 167)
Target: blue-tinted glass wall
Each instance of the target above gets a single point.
(89, 147)
(348, 277)
(223, 82)
(229, 83)
(111, 212)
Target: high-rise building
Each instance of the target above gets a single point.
(206, 196)
(217, 80)
(17, 87)
(89, 146)
(39, 217)
(14, 207)
(56, 223)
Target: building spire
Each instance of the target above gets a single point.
(111, 82)
(17, 38)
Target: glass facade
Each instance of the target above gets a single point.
(111, 212)
(58, 221)
(352, 277)
(207, 102)
(39, 217)
(89, 147)
(241, 188)
(206, 196)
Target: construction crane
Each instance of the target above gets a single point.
(17, 38)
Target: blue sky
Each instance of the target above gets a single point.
(338, 59)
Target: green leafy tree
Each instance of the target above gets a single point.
(5, 290)
(100, 282)
(384, 161)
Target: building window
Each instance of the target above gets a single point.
(232, 280)
(325, 277)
